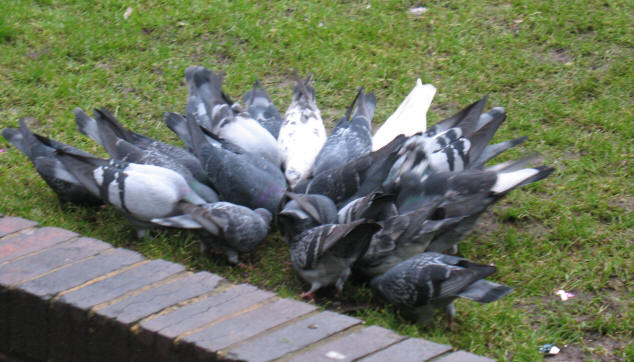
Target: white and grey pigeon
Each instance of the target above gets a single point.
(351, 137)
(303, 212)
(409, 118)
(466, 194)
(324, 255)
(103, 118)
(225, 227)
(262, 109)
(302, 134)
(238, 176)
(120, 149)
(141, 192)
(234, 127)
(429, 281)
(42, 153)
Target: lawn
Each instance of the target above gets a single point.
(562, 70)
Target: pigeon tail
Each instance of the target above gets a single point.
(507, 181)
(485, 291)
(87, 125)
(492, 151)
(467, 119)
(481, 138)
(178, 124)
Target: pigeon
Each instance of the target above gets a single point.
(42, 152)
(451, 149)
(401, 237)
(303, 212)
(238, 176)
(351, 137)
(409, 118)
(357, 178)
(141, 192)
(103, 118)
(227, 228)
(430, 281)
(261, 108)
(302, 134)
(324, 255)
(466, 194)
(234, 127)
(120, 149)
(377, 205)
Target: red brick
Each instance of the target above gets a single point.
(29, 301)
(462, 356)
(156, 335)
(352, 346)
(293, 337)
(209, 341)
(55, 257)
(413, 349)
(12, 224)
(112, 324)
(32, 241)
(69, 330)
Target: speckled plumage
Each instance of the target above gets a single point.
(429, 281)
(351, 137)
(324, 254)
(226, 227)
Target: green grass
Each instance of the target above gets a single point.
(562, 69)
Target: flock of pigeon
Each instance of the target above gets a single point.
(389, 206)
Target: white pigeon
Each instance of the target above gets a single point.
(409, 118)
(302, 134)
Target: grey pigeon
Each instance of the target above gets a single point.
(432, 281)
(141, 192)
(401, 237)
(261, 108)
(42, 152)
(237, 128)
(121, 149)
(351, 137)
(238, 176)
(227, 228)
(303, 212)
(376, 206)
(324, 255)
(357, 178)
(90, 127)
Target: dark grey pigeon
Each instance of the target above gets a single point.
(303, 212)
(237, 128)
(401, 237)
(430, 281)
(351, 137)
(42, 152)
(357, 178)
(238, 176)
(261, 108)
(324, 254)
(90, 127)
(141, 192)
(120, 149)
(376, 206)
(227, 228)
